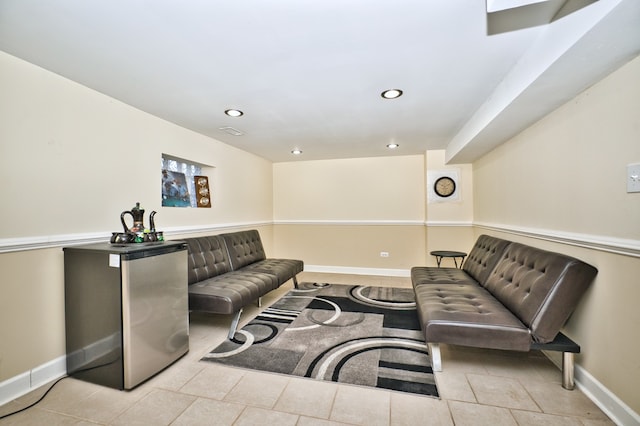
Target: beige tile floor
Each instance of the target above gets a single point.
(477, 387)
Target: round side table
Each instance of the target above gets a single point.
(440, 254)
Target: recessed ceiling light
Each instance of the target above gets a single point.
(296, 151)
(391, 93)
(234, 112)
(392, 145)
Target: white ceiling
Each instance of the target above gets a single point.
(308, 74)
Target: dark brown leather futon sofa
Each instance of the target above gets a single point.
(229, 271)
(506, 296)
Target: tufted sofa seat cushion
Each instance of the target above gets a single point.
(482, 259)
(424, 275)
(246, 252)
(245, 248)
(281, 268)
(539, 287)
(207, 258)
(484, 256)
(213, 286)
(226, 272)
(228, 293)
(467, 314)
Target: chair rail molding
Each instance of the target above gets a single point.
(64, 240)
(444, 224)
(623, 246)
(349, 222)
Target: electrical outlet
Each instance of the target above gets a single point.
(633, 177)
(384, 254)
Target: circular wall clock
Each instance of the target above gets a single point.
(444, 186)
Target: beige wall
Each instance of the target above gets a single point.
(71, 160)
(31, 310)
(564, 177)
(568, 171)
(378, 189)
(345, 212)
(347, 247)
(77, 158)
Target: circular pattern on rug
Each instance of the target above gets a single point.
(261, 332)
(364, 295)
(327, 365)
(310, 287)
(246, 345)
(336, 315)
(344, 323)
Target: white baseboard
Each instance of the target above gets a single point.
(608, 402)
(24, 383)
(358, 271)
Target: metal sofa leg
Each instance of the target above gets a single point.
(259, 302)
(295, 282)
(436, 360)
(567, 371)
(234, 324)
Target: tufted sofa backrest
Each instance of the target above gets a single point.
(541, 288)
(245, 248)
(208, 257)
(484, 256)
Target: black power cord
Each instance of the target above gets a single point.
(4, 416)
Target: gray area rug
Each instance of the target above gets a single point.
(367, 336)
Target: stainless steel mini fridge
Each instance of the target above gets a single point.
(126, 310)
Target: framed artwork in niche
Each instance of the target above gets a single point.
(175, 192)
